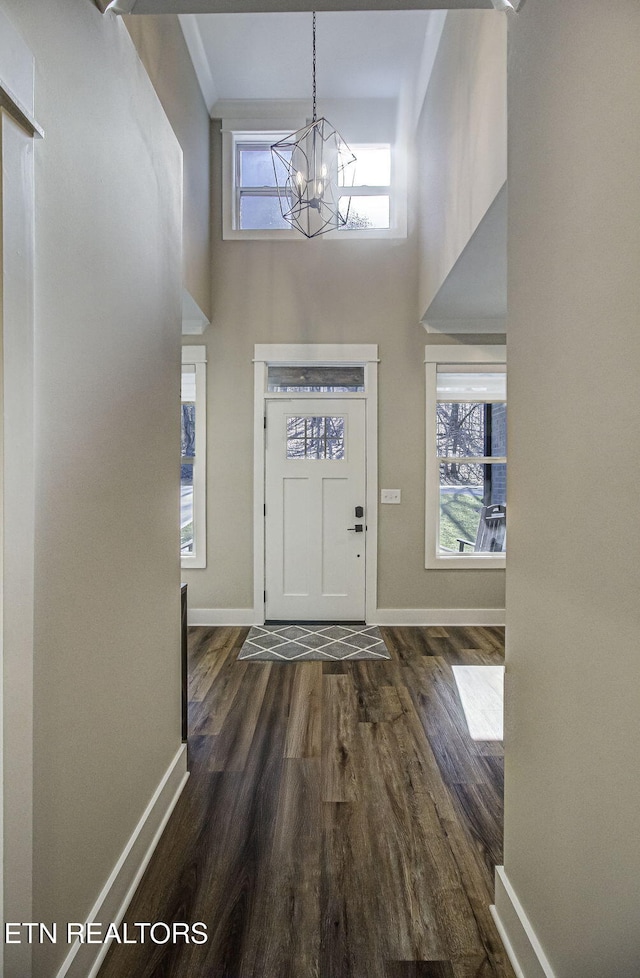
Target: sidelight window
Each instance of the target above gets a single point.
(193, 458)
(466, 459)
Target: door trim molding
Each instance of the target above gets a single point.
(364, 353)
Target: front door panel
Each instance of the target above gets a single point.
(315, 479)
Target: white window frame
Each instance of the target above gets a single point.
(364, 190)
(231, 137)
(197, 356)
(458, 355)
(234, 134)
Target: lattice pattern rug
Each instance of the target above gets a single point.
(309, 642)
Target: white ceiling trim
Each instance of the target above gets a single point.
(508, 6)
(120, 7)
(193, 38)
(295, 6)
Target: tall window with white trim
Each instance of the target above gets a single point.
(193, 537)
(466, 459)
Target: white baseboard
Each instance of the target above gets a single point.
(223, 616)
(517, 934)
(84, 960)
(438, 616)
(382, 616)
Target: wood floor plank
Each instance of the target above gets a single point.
(235, 893)
(422, 844)
(442, 684)
(339, 822)
(416, 756)
(408, 642)
(338, 739)
(408, 889)
(352, 943)
(366, 682)
(203, 674)
(479, 805)
(420, 969)
(292, 944)
(228, 682)
(390, 704)
(449, 742)
(304, 729)
(233, 744)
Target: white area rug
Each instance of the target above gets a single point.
(309, 642)
(481, 690)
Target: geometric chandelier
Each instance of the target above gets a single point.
(313, 169)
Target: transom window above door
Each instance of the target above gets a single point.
(306, 378)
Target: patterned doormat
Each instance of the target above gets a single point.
(308, 642)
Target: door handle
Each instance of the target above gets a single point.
(358, 528)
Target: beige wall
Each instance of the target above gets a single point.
(461, 141)
(107, 339)
(16, 529)
(573, 668)
(163, 51)
(322, 291)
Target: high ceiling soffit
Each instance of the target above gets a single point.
(473, 297)
(270, 6)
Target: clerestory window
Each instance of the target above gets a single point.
(252, 203)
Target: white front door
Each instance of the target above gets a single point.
(315, 485)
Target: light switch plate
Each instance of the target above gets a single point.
(390, 495)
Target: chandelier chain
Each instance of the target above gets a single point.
(314, 67)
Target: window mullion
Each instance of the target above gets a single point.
(364, 191)
(474, 459)
(258, 191)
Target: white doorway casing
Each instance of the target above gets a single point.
(352, 354)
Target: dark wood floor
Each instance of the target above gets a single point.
(339, 822)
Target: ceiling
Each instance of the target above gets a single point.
(374, 54)
(360, 54)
